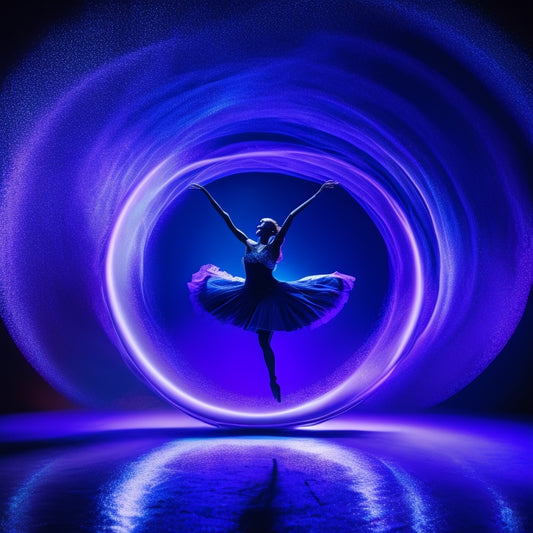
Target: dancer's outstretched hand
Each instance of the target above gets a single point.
(330, 184)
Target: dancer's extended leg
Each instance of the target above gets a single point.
(264, 341)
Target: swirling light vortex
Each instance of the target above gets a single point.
(401, 118)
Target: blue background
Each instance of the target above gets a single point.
(503, 387)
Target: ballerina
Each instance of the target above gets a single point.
(261, 303)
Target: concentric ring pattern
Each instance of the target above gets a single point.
(427, 131)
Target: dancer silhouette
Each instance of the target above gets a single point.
(261, 303)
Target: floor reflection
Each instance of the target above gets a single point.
(260, 514)
(409, 477)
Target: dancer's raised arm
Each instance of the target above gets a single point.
(278, 240)
(237, 232)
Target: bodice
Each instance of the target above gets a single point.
(263, 257)
(258, 265)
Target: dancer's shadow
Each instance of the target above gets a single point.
(260, 515)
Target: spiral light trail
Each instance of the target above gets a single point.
(428, 132)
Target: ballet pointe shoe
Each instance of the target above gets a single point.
(276, 390)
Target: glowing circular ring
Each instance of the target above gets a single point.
(139, 215)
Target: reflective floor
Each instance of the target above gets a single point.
(165, 472)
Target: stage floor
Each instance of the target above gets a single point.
(158, 472)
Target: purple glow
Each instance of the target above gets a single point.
(421, 142)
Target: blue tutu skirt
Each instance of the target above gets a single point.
(280, 306)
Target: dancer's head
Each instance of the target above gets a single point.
(267, 228)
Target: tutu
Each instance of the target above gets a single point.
(260, 302)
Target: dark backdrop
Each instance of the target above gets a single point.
(506, 386)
